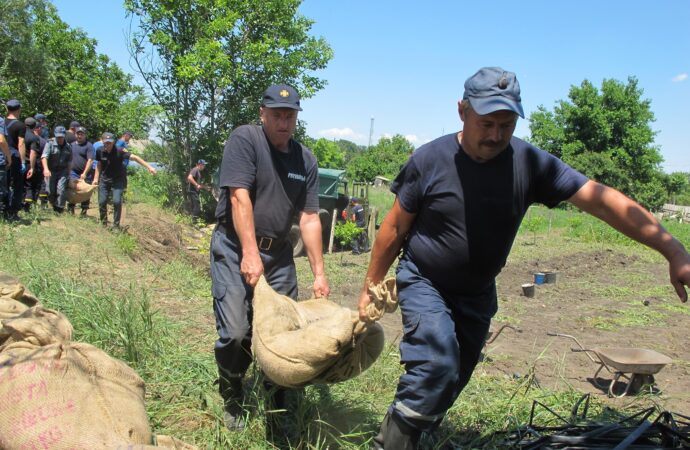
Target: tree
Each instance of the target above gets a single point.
(386, 158)
(328, 154)
(207, 64)
(605, 134)
(56, 70)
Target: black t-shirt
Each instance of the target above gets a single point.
(281, 184)
(81, 153)
(14, 129)
(468, 213)
(196, 174)
(32, 143)
(112, 163)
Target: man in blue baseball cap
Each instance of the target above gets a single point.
(459, 203)
(194, 186)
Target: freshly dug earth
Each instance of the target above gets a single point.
(603, 297)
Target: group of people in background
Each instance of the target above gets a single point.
(35, 168)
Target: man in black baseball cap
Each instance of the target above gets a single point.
(459, 203)
(266, 179)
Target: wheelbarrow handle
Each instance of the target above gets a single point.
(589, 354)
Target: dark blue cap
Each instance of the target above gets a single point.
(201, 161)
(13, 104)
(107, 137)
(493, 89)
(40, 116)
(59, 131)
(281, 96)
(74, 124)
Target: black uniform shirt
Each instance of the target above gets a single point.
(281, 184)
(32, 143)
(112, 166)
(14, 129)
(468, 213)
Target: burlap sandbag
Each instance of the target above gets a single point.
(10, 308)
(17, 292)
(69, 395)
(296, 343)
(38, 326)
(79, 191)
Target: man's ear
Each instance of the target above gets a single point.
(461, 111)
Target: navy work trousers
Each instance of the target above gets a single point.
(232, 298)
(442, 341)
(16, 184)
(4, 192)
(57, 188)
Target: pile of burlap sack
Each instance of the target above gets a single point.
(60, 394)
(316, 341)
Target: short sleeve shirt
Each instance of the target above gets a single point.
(81, 153)
(281, 184)
(468, 213)
(196, 174)
(14, 129)
(112, 163)
(32, 143)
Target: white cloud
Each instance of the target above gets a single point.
(341, 133)
(680, 77)
(413, 138)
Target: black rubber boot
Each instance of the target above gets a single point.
(396, 435)
(231, 390)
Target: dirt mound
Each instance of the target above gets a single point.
(160, 238)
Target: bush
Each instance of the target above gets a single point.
(163, 189)
(346, 232)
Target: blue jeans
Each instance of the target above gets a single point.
(105, 187)
(232, 298)
(443, 336)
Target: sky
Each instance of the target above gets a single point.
(403, 63)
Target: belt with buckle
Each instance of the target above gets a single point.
(264, 243)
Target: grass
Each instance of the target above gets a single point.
(157, 317)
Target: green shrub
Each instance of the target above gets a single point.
(346, 232)
(163, 189)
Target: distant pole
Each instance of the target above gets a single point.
(371, 131)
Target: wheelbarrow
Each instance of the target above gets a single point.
(636, 366)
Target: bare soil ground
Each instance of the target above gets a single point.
(605, 297)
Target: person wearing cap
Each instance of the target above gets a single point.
(5, 163)
(15, 131)
(33, 142)
(111, 177)
(43, 123)
(360, 244)
(266, 179)
(71, 135)
(459, 203)
(194, 186)
(82, 162)
(57, 164)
